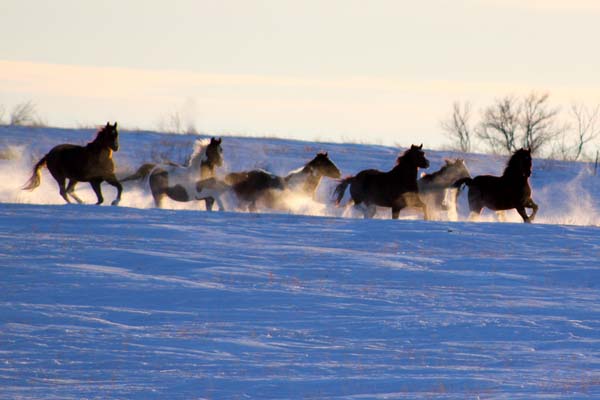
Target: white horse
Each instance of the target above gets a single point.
(436, 190)
(178, 182)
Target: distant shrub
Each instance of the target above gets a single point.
(25, 114)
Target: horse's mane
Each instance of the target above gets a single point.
(433, 175)
(403, 156)
(513, 164)
(199, 152)
(303, 167)
(99, 134)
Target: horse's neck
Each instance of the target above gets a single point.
(445, 177)
(514, 174)
(207, 170)
(406, 173)
(95, 146)
(306, 179)
(405, 170)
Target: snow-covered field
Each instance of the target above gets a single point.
(136, 302)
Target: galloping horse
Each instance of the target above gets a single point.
(511, 190)
(396, 188)
(91, 163)
(261, 186)
(436, 191)
(179, 182)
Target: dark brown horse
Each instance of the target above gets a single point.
(92, 163)
(179, 182)
(396, 188)
(511, 190)
(259, 186)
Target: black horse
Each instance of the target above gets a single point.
(511, 190)
(396, 188)
(92, 163)
(179, 182)
(259, 186)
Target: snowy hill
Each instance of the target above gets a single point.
(138, 302)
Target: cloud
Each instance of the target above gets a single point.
(551, 5)
(343, 106)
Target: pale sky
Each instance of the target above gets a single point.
(365, 71)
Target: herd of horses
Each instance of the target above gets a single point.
(396, 189)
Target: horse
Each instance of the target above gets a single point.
(260, 186)
(91, 163)
(511, 190)
(396, 188)
(178, 182)
(436, 191)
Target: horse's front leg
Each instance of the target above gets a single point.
(396, 210)
(96, 186)
(534, 207)
(523, 214)
(113, 181)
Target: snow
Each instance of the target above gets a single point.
(137, 302)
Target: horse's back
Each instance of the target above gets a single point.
(65, 159)
(79, 163)
(498, 193)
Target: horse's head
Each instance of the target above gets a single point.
(108, 136)
(520, 163)
(415, 156)
(458, 169)
(214, 152)
(324, 166)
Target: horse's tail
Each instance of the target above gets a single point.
(340, 189)
(36, 176)
(463, 181)
(141, 173)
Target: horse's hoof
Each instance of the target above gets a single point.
(115, 203)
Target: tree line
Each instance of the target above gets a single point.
(512, 122)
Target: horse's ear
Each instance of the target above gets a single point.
(421, 146)
(115, 125)
(447, 161)
(107, 124)
(219, 140)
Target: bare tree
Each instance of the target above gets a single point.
(25, 114)
(538, 122)
(511, 123)
(500, 124)
(457, 127)
(175, 123)
(586, 128)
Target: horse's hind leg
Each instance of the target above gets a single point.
(475, 204)
(96, 186)
(209, 202)
(368, 210)
(62, 190)
(60, 181)
(71, 191)
(501, 215)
